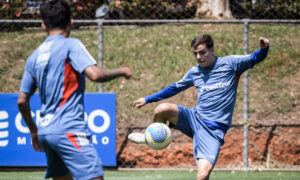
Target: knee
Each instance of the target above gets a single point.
(203, 175)
(162, 108)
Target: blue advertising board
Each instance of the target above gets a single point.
(15, 143)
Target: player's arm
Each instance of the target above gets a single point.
(169, 91)
(24, 108)
(83, 62)
(165, 93)
(240, 63)
(28, 87)
(262, 53)
(94, 73)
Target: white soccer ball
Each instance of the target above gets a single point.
(158, 135)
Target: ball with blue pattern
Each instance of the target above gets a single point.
(158, 135)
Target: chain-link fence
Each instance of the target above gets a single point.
(154, 41)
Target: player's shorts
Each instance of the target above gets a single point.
(206, 140)
(71, 153)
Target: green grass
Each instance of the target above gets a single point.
(166, 175)
(160, 55)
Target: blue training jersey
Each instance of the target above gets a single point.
(216, 86)
(56, 68)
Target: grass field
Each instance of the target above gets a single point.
(166, 175)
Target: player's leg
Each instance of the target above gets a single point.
(56, 168)
(78, 154)
(162, 113)
(204, 169)
(166, 112)
(207, 144)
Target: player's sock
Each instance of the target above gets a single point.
(138, 138)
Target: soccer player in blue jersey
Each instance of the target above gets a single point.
(58, 68)
(216, 80)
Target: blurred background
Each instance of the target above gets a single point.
(162, 9)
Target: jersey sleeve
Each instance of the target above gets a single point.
(187, 81)
(79, 57)
(241, 63)
(167, 92)
(172, 89)
(28, 84)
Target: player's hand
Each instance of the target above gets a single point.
(126, 72)
(35, 142)
(263, 42)
(139, 103)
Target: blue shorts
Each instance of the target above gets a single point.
(206, 141)
(71, 153)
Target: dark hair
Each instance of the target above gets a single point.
(203, 39)
(56, 14)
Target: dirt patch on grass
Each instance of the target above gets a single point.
(269, 146)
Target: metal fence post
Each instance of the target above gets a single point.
(100, 50)
(245, 114)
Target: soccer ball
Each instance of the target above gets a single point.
(158, 135)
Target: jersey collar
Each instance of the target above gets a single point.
(52, 37)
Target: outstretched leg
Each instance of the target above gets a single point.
(162, 113)
(166, 112)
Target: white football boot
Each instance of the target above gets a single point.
(138, 138)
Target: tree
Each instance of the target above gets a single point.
(219, 9)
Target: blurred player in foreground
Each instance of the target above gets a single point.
(58, 68)
(216, 80)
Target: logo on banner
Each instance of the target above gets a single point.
(15, 141)
(92, 120)
(3, 129)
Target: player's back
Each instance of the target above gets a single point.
(49, 70)
(57, 67)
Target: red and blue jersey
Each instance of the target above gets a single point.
(56, 68)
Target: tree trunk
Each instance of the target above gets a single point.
(219, 9)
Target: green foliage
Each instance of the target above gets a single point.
(272, 9)
(85, 9)
(81, 9)
(154, 9)
(10, 11)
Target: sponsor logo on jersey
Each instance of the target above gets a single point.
(215, 86)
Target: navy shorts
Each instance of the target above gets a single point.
(206, 141)
(71, 153)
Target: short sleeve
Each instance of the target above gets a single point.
(79, 57)
(28, 84)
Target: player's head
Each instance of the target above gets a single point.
(203, 49)
(56, 14)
